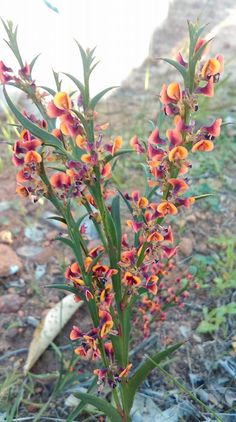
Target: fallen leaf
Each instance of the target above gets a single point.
(50, 327)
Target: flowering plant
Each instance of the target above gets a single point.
(63, 155)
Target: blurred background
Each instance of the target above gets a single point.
(131, 36)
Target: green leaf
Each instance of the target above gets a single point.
(66, 241)
(76, 82)
(82, 404)
(126, 202)
(115, 212)
(142, 254)
(57, 218)
(63, 287)
(97, 97)
(50, 90)
(121, 152)
(181, 69)
(145, 368)
(206, 327)
(206, 195)
(80, 219)
(100, 404)
(38, 132)
(57, 80)
(34, 61)
(82, 119)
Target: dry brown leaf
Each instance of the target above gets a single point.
(50, 327)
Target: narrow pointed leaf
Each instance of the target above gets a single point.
(38, 132)
(101, 405)
(145, 368)
(57, 218)
(181, 69)
(98, 97)
(82, 404)
(126, 202)
(76, 82)
(205, 195)
(121, 152)
(50, 90)
(70, 289)
(66, 241)
(79, 221)
(34, 61)
(57, 80)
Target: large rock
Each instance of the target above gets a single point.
(10, 263)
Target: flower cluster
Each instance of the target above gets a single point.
(66, 156)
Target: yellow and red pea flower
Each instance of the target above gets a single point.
(167, 208)
(136, 145)
(178, 153)
(175, 137)
(131, 280)
(106, 322)
(179, 186)
(203, 145)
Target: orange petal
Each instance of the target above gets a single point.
(178, 153)
(210, 68)
(142, 202)
(203, 145)
(155, 237)
(106, 170)
(60, 180)
(117, 144)
(179, 186)
(174, 136)
(174, 91)
(81, 141)
(32, 157)
(166, 208)
(125, 371)
(131, 280)
(22, 191)
(86, 158)
(62, 101)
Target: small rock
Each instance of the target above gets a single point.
(30, 320)
(196, 379)
(11, 333)
(20, 283)
(35, 233)
(11, 303)
(6, 237)
(186, 246)
(10, 263)
(197, 338)
(40, 271)
(5, 205)
(191, 218)
(29, 251)
(200, 247)
(45, 255)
